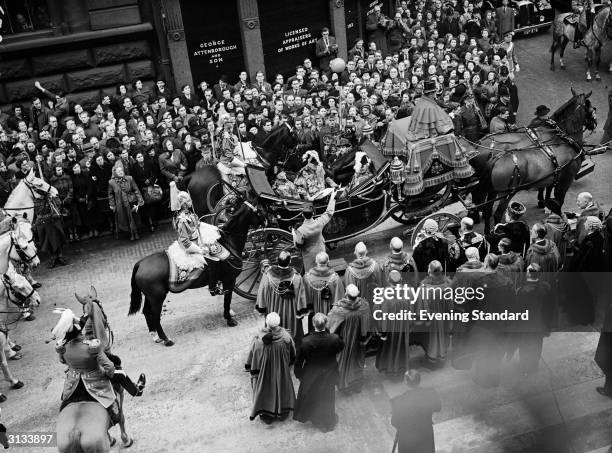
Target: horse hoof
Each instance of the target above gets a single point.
(231, 322)
(552, 68)
(29, 318)
(129, 443)
(232, 312)
(112, 441)
(562, 67)
(168, 343)
(156, 339)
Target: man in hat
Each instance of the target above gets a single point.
(411, 415)
(269, 362)
(505, 19)
(504, 101)
(543, 252)
(96, 327)
(541, 118)
(585, 9)
(470, 238)
(350, 318)
(317, 369)
(281, 290)
(432, 246)
(513, 98)
(557, 228)
(499, 295)
(364, 272)
(377, 26)
(510, 263)
(323, 287)
(400, 261)
(536, 296)
(428, 118)
(285, 188)
(514, 229)
(393, 356)
(200, 243)
(308, 237)
(471, 125)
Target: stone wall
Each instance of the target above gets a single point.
(83, 69)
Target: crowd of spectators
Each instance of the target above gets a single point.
(159, 135)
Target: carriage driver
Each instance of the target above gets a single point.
(200, 240)
(584, 20)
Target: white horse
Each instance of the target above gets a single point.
(22, 198)
(18, 291)
(16, 246)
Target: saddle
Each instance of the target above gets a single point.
(572, 19)
(185, 268)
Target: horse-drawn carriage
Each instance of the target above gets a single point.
(437, 171)
(358, 210)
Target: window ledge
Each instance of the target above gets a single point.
(45, 40)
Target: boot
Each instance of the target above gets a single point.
(142, 380)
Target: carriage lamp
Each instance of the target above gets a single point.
(397, 169)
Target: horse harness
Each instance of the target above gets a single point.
(20, 252)
(548, 152)
(13, 296)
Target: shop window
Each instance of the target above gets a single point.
(23, 16)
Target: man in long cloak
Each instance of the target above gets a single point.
(364, 272)
(322, 286)
(401, 261)
(489, 335)
(433, 246)
(603, 354)
(432, 300)
(393, 355)
(281, 290)
(269, 361)
(350, 318)
(317, 369)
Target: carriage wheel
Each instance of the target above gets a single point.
(442, 218)
(409, 210)
(263, 244)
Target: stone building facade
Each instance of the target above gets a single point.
(87, 47)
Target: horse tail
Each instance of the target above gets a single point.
(74, 442)
(136, 295)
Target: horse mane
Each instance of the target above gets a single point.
(570, 116)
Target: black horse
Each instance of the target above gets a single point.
(278, 149)
(510, 161)
(150, 275)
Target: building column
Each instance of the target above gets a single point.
(76, 15)
(338, 26)
(177, 46)
(252, 44)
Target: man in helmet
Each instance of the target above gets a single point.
(200, 241)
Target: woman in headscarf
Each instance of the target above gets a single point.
(124, 200)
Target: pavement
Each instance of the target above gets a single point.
(198, 396)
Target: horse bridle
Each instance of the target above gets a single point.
(23, 256)
(18, 299)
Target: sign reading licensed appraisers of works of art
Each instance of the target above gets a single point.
(289, 30)
(212, 32)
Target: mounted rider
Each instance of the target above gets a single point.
(585, 9)
(199, 243)
(541, 118)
